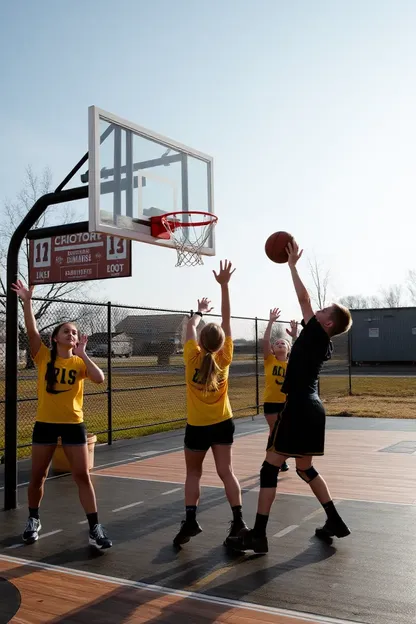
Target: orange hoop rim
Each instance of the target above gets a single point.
(211, 221)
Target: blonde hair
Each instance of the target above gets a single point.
(211, 339)
(341, 318)
(289, 346)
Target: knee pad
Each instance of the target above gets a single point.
(307, 475)
(268, 475)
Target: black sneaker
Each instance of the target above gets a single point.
(99, 538)
(189, 528)
(284, 467)
(247, 540)
(236, 526)
(31, 532)
(332, 528)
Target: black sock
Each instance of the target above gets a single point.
(34, 512)
(331, 511)
(237, 512)
(260, 524)
(191, 512)
(92, 519)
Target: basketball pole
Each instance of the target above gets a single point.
(12, 330)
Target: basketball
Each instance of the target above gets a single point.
(275, 246)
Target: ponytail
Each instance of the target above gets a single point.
(50, 370)
(209, 373)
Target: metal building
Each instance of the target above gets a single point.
(383, 335)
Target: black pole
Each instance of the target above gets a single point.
(349, 363)
(12, 342)
(256, 330)
(109, 378)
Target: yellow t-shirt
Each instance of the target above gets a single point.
(212, 407)
(274, 376)
(65, 404)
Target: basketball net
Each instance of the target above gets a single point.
(189, 236)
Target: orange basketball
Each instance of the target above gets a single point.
(275, 246)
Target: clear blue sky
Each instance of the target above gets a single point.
(308, 108)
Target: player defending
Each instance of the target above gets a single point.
(275, 363)
(300, 432)
(209, 416)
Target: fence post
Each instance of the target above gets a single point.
(109, 378)
(349, 363)
(256, 333)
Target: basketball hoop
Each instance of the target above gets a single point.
(189, 232)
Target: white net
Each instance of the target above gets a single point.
(189, 232)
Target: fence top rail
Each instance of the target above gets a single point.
(106, 304)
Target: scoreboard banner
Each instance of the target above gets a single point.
(78, 257)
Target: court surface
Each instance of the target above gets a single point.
(369, 577)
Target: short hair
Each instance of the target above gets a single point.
(341, 318)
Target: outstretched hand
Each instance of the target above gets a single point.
(293, 331)
(80, 348)
(293, 253)
(204, 306)
(274, 314)
(21, 291)
(224, 275)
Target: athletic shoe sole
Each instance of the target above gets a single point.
(178, 541)
(32, 540)
(92, 542)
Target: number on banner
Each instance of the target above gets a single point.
(116, 248)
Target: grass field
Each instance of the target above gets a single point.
(136, 402)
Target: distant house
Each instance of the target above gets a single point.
(149, 332)
(121, 344)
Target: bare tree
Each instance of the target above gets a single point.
(320, 283)
(118, 314)
(359, 302)
(392, 296)
(34, 186)
(411, 284)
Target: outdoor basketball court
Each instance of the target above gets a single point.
(368, 577)
(146, 188)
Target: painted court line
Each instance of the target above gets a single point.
(13, 546)
(317, 512)
(287, 530)
(127, 506)
(83, 522)
(205, 598)
(221, 487)
(171, 491)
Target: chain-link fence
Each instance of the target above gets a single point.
(141, 352)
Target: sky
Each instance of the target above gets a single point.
(307, 107)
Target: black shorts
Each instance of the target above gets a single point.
(202, 438)
(300, 430)
(48, 434)
(273, 408)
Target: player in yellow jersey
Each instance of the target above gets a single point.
(275, 363)
(209, 417)
(61, 373)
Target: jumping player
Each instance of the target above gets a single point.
(61, 373)
(275, 363)
(209, 416)
(300, 432)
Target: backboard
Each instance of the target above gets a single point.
(135, 174)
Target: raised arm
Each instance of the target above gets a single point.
(301, 292)
(94, 372)
(267, 348)
(25, 295)
(204, 307)
(293, 331)
(223, 278)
